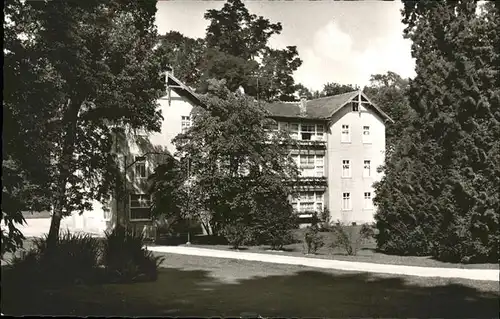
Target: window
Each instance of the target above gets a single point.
(140, 207)
(310, 165)
(319, 132)
(283, 126)
(346, 201)
(345, 134)
(368, 200)
(367, 168)
(320, 171)
(185, 123)
(272, 126)
(294, 131)
(306, 207)
(366, 134)
(140, 168)
(346, 168)
(306, 161)
(355, 106)
(307, 131)
(308, 202)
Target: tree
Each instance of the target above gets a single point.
(451, 202)
(184, 55)
(275, 75)
(235, 48)
(233, 30)
(98, 69)
(238, 175)
(390, 92)
(303, 91)
(330, 89)
(26, 163)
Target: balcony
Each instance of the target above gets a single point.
(311, 143)
(312, 180)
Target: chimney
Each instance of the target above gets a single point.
(303, 105)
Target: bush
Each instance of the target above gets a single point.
(237, 234)
(350, 238)
(399, 239)
(275, 227)
(312, 238)
(75, 258)
(324, 218)
(126, 259)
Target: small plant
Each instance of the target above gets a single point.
(350, 238)
(275, 227)
(324, 217)
(74, 258)
(237, 235)
(313, 239)
(126, 259)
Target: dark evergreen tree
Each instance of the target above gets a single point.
(442, 196)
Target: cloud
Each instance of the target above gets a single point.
(332, 58)
(332, 43)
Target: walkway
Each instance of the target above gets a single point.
(474, 274)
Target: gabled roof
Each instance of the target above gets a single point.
(320, 109)
(183, 90)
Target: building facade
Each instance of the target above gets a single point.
(340, 143)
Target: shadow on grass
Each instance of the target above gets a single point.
(301, 293)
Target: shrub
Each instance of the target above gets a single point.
(350, 238)
(126, 259)
(312, 238)
(237, 234)
(324, 218)
(275, 227)
(400, 239)
(75, 258)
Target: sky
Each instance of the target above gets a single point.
(339, 41)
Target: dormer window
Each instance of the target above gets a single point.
(307, 131)
(355, 107)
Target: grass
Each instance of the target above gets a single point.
(201, 286)
(367, 253)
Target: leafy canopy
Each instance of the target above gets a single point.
(240, 173)
(75, 70)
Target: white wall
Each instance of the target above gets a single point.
(91, 222)
(171, 125)
(356, 152)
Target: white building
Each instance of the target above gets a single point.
(341, 144)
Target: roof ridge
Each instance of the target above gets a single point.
(330, 96)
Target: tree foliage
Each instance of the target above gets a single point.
(92, 67)
(235, 48)
(238, 177)
(390, 92)
(332, 88)
(441, 196)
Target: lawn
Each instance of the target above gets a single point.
(201, 286)
(367, 253)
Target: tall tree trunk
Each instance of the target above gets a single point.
(70, 119)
